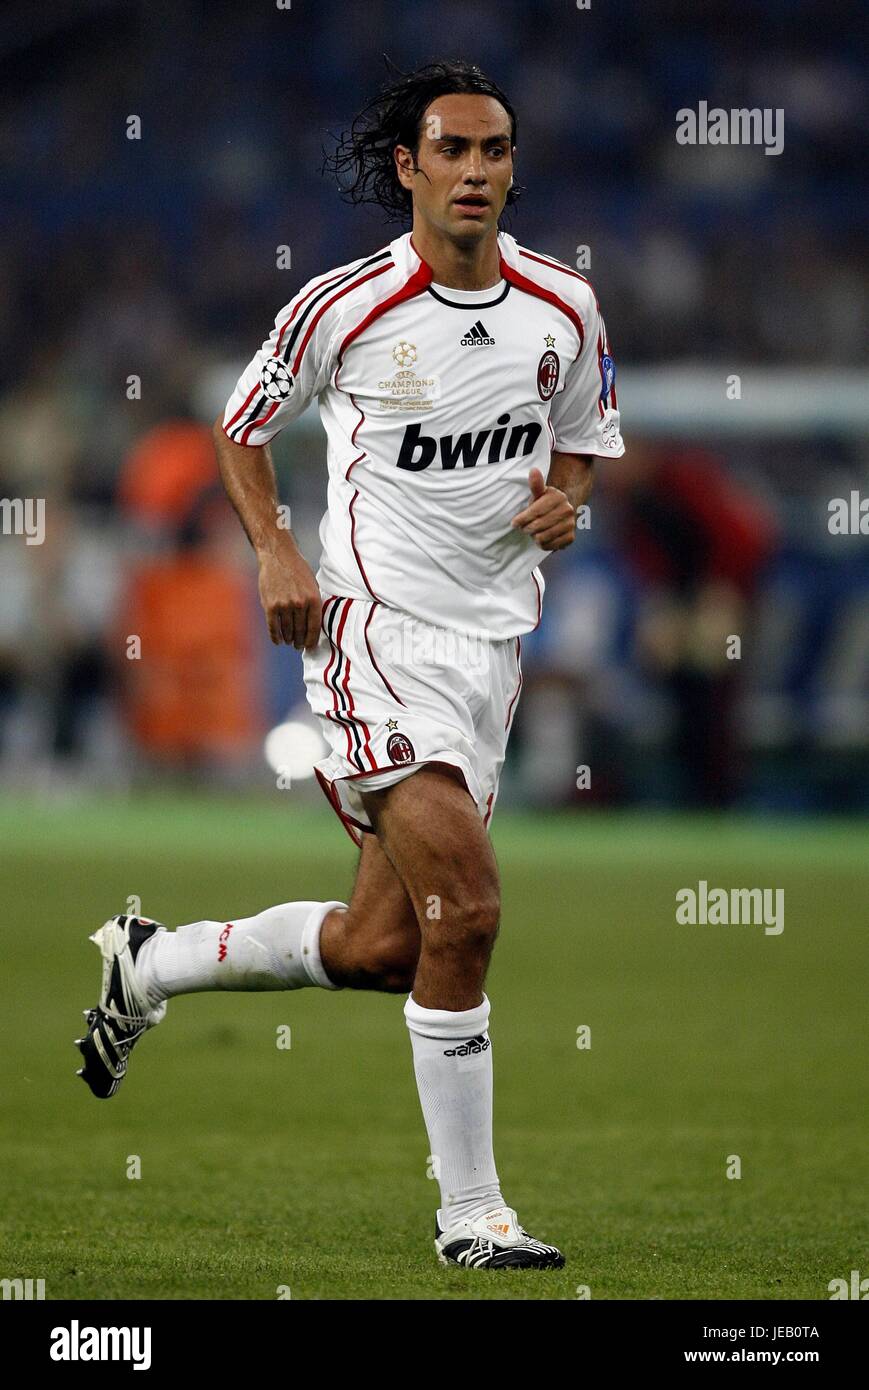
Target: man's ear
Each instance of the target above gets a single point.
(404, 163)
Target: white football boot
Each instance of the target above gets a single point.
(494, 1241)
(123, 1013)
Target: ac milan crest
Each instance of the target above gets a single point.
(399, 750)
(548, 370)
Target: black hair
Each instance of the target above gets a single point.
(362, 160)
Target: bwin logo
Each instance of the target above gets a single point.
(418, 450)
(477, 337)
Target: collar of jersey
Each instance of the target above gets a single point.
(464, 299)
(469, 299)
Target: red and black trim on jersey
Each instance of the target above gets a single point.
(529, 286)
(415, 284)
(317, 293)
(553, 264)
(607, 397)
(418, 281)
(316, 303)
(352, 514)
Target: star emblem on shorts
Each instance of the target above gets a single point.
(391, 724)
(550, 341)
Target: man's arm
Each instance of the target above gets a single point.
(288, 589)
(574, 475)
(551, 516)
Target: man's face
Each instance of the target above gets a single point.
(464, 166)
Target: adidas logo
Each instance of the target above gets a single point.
(477, 337)
(478, 1044)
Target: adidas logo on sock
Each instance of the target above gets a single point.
(477, 337)
(478, 1044)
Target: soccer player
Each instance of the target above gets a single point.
(465, 384)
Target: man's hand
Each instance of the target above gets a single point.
(290, 596)
(550, 518)
(287, 588)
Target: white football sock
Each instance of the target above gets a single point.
(455, 1091)
(276, 949)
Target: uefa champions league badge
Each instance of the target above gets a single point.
(405, 390)
(608, 375)
(276, 380)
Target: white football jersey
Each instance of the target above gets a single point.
(436, 404)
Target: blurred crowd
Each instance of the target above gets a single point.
(139, 274)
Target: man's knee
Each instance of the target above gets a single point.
(466, 925)
(378, 954)
(393, 961)
(431, 831)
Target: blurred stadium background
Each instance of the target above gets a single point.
(156, 259)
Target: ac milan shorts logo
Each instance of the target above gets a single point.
(548, 370)
(399, 750)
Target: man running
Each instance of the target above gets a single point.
(465, 385)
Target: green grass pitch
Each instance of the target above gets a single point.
(306, 1167)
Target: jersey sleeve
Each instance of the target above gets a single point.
(585, 416)
(290, 369)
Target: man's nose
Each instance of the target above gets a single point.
(474, 169)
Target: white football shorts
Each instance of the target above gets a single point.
(393, 693)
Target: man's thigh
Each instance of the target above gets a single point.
(427, 829)
(432, 834)
(375, 943)
(379, 904)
